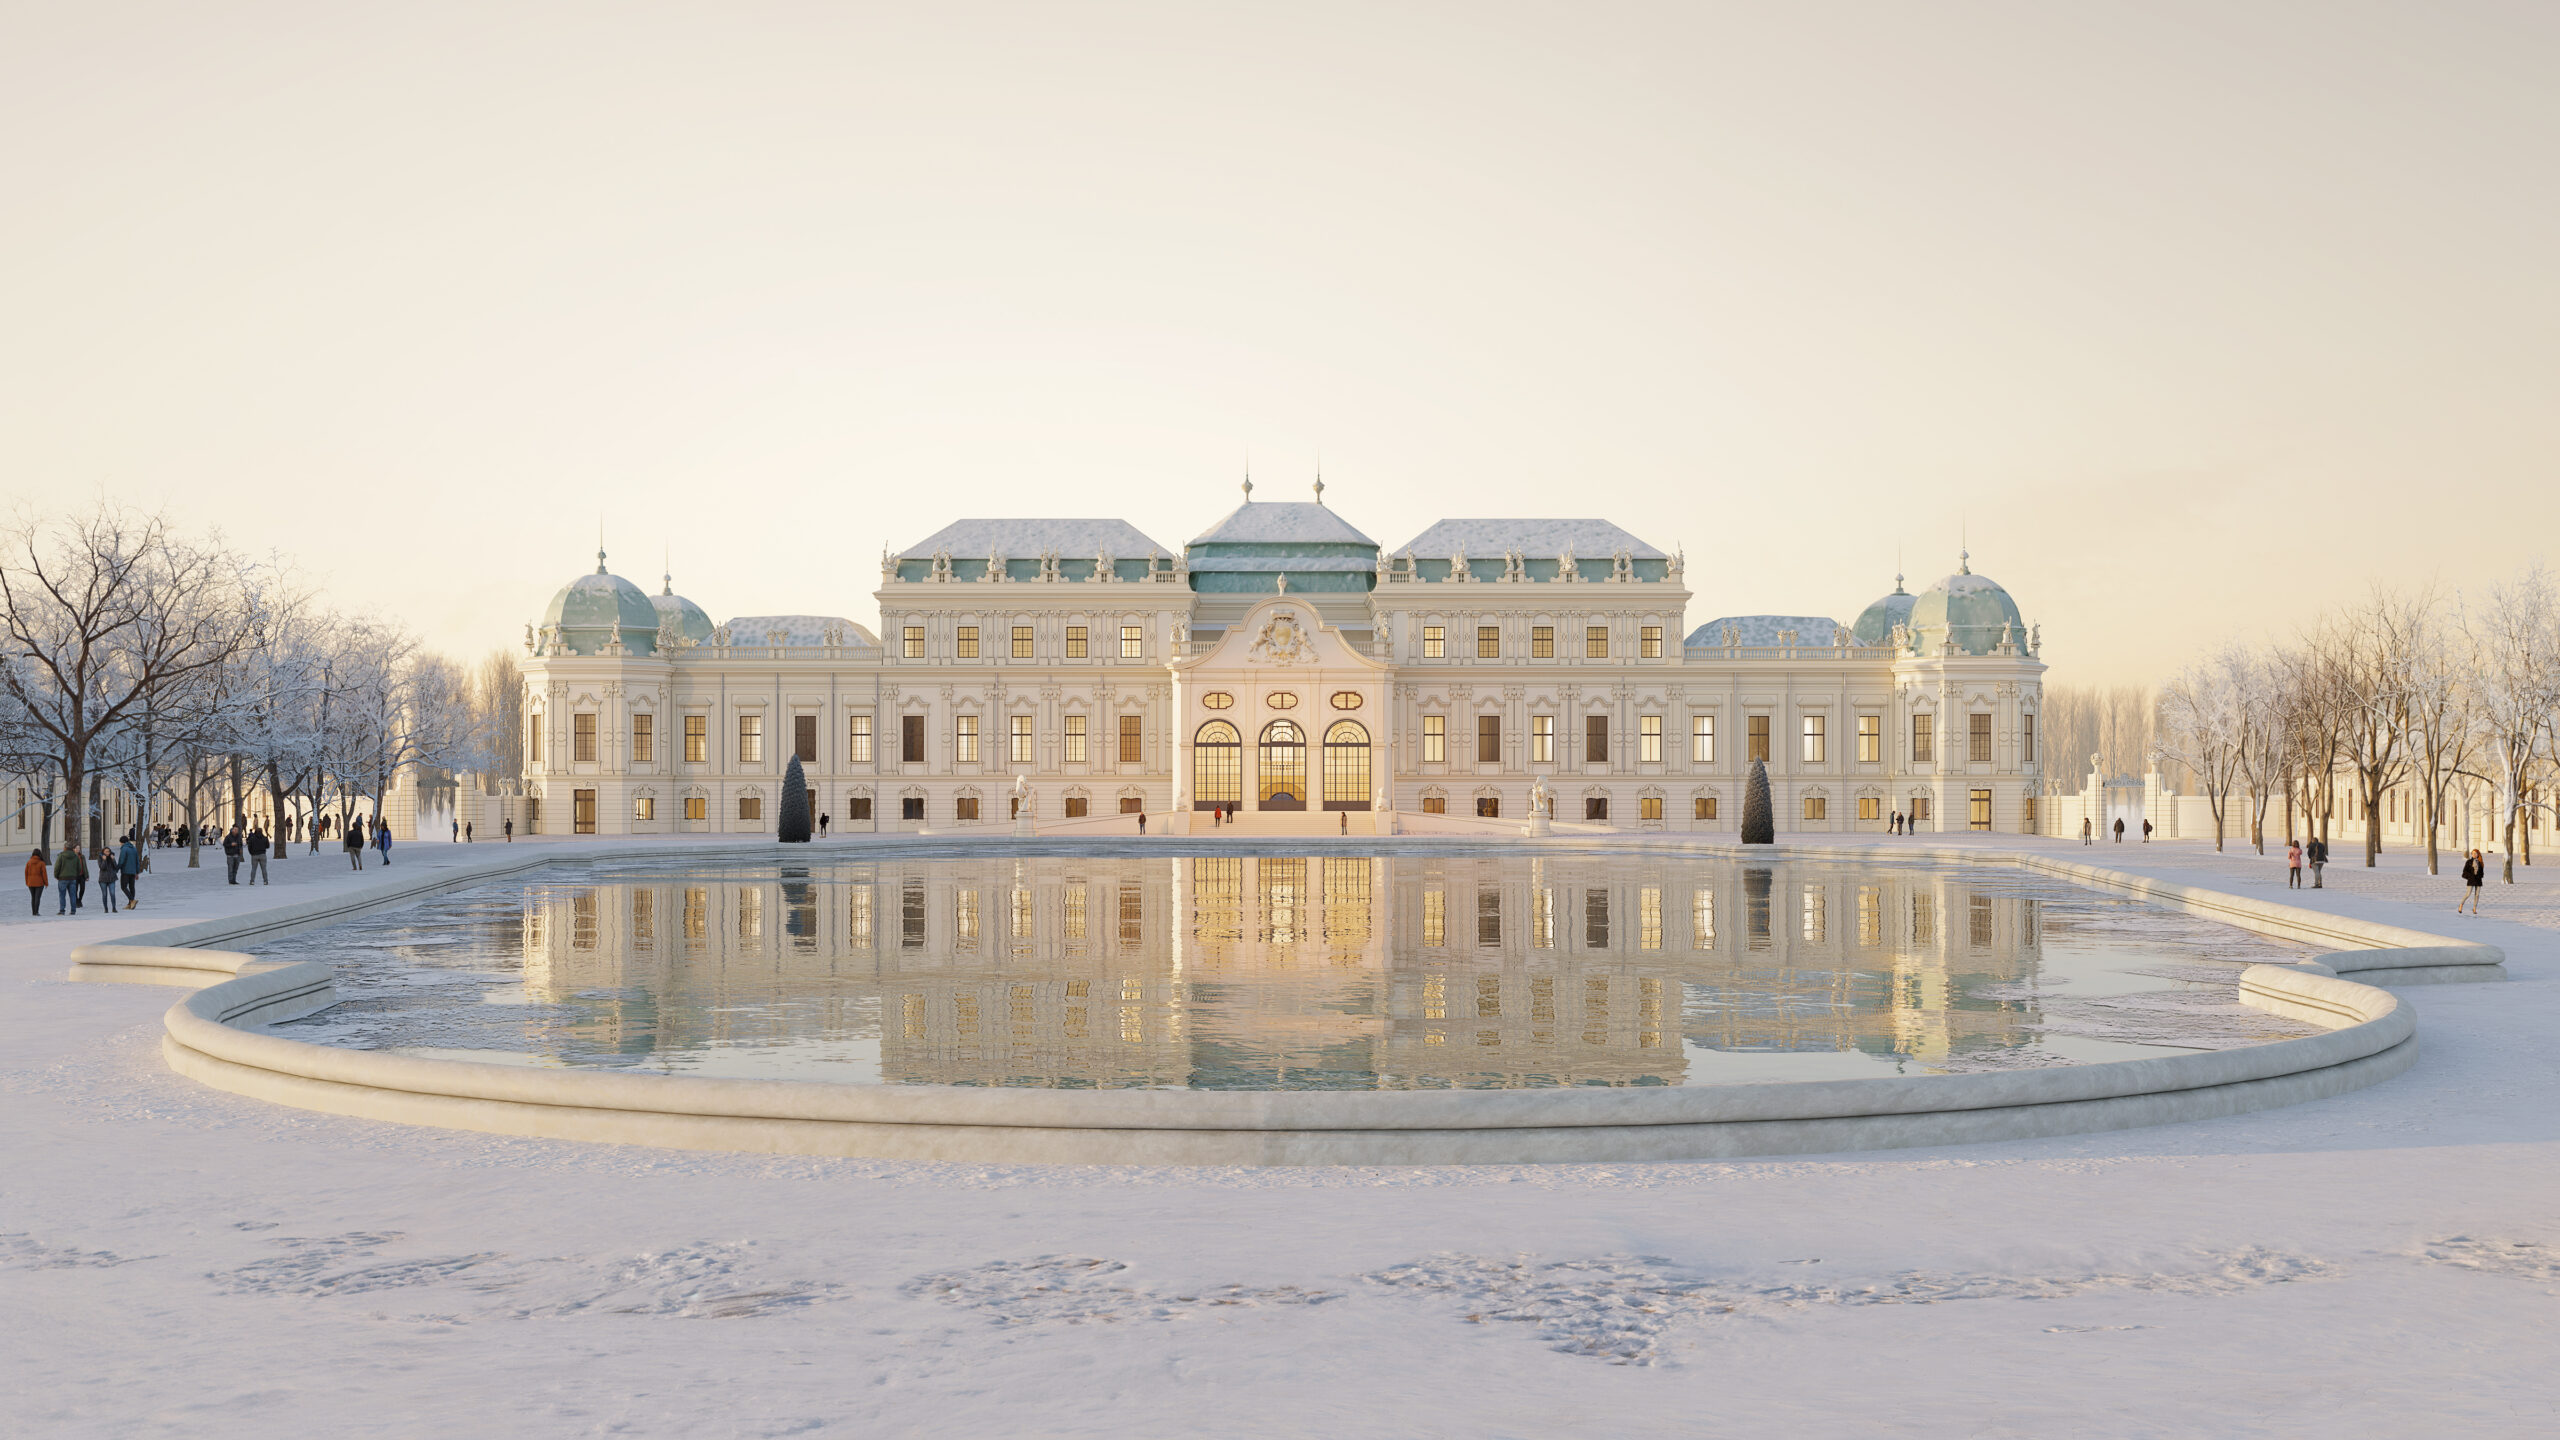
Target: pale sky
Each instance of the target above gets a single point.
(2199, 316)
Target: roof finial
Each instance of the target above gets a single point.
(1284, 583)
(667, 561)
(1319, 484)
(1248, 484)
(1897, 570)
(1964, 552)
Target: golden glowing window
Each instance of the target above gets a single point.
(968, 642)
(1346, 699)
(1217, 700)
(1281, 700)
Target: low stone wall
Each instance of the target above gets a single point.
(2371, 1036)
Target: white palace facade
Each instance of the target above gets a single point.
(1280, 666)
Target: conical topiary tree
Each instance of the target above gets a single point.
(791, 827)
(1759, 824)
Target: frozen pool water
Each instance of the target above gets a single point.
(1228, 971)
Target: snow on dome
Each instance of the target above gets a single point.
(1874, 625)
(797, 630)
(591, 611)
(1764, 630)
(1970, 608)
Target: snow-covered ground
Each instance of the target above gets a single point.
(178, 1261)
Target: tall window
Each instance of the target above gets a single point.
(1649, 738)
(1021, 642)
(968, 642)
(1133, 643)
(1346, 766)
(1130, 753)
(2027, 739)
(911, 642)
(750, 739)
(533, 738)
(1924, 738)
(1281, 767)
(1980, 818)
(858, 744)
(582, 811)
(911, 739)
(1595, 642)
(1755, 739)
(1542, 642)
(1817, 745)
(1075, 642)
(1488, 642)
(644, 738)
(1981, 738)
(1435, 739)
(697, 738)
(1075, 739)
(1021, 751)
(1542, 739)
(965, 740)
(1870, 738)
(1650, 642)
(804, 738)
(1433, 642)
(644, 807)
(1702, 739)
(1488, 739)
(1595, 739)
(582, 741)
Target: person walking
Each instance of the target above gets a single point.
(457, 832)
(1142, 822)
(107, 870)
(1346, 821)
(823, 818)
(2146, 830)
(467, 830)
(382, 841)
(233, 847)
(2475, 873)
(257, 847)
(39, 879)
(352, 843)
(132, 860)
(2084, 830)
(68, 871)
(2119, 829)
(2293, 865)
(510, 827)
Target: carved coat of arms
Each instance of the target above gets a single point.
(1283, 641)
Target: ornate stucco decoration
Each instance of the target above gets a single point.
(1567, 571)
(1102, 565)
(1283, 641)
(1459, 574)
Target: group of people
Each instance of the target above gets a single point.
(115, 866)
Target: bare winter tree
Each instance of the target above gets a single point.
(2205, 724)
(2371, 647)
(97, 612)
(2441, 698)
(2512, 669)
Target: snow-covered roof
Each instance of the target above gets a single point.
(1537, 539)
(1027, 539)
(1761, 630)
(1281, 522)
(797, 630)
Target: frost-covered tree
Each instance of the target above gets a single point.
(2511, 667)
(2205, 726)
(1759, 820)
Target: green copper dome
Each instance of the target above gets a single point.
(1970, 608)
(691, 621)
(591, 611)
(1875, 623)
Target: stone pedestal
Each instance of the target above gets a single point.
(1537, 824)
(1022, 825)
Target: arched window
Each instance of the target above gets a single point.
(1217, 766)
(1281, 773)
(1346, 766)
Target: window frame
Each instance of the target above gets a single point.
(1595, 739)
(1978, 737)
(751, 738)
(697, 738)
(1488, 642)
(964, 739)
(911, 741)
(1702, 739)
(1649, 642)
(1019, 742)
(644, 738)
(1817, 739)
(1075, 738)
(1870, 739)
(964, 642)
(1021, 644)
(1488, 728)
(1435, 642)
(1755, 737)
(911, 642)
(1924, 738)
(858, 740)
(1133, 642)
(1076, 642)
(1542, 739)
(1435, 739)
(1542, 642)
(582, 749)
(1595, 642)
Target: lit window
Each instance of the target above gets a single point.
(1077, 808)
(1217, 700)
(1133, 643)
(1542, 642)
(1649, 741)
(1817, 747)
(968, 642)
(1432, 642)
(1924, 741)
(1870, 808)
(1981, 738)
(1346, 699)
(750, 739)
(1649, 807)
(1435, 804)
(1595, 642)
(1702, 739)
(1756, 738)
(967, 735)
(1651, 642)
(1817, 807)
(582, 737)
(911, 642)
(644, 807)
(1435, 739)
(1021, 740)
(1075, 739)
(644, 738)
(1021, 642)
(1706, 807)
(1981, 807)
(1075, 642)
(1130, 753)
(697, 807)
(1542, 739)
(859, 743)
(1488, 643)
(697, 739)
(1870, 742)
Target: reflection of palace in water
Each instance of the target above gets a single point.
(1251, 972)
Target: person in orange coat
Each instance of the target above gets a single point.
(37, 880)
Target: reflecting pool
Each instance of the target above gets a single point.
(1285, 971)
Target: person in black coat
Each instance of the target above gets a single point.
(2475, 873)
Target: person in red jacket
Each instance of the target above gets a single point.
(37, 879)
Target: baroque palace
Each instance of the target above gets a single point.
(1280, 666)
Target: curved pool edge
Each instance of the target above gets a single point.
(2371, 1036)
